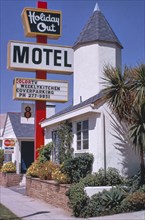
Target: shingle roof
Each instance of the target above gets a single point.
(20, 130)
(70, 108)
(97, 29)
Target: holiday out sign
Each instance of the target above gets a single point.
(44, 90)
(42, 22)
(31, 57)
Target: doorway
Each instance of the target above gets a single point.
(27, 155)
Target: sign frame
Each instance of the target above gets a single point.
(40, 99)
(31, 67)
(27, 29)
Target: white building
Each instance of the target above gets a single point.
(23, 136)
(96, 46)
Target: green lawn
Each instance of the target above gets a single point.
(6, 214)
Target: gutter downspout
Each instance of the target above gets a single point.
(104, 140)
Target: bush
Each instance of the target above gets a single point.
(134, 183)
(109, 177)
(42, 170)
(46, 170)
(60, 177)
(33, 170)
(103, 203)
(78, 167)
(142, 188)
(102, 178)
(45, 152)
(1, 157)
(77, 198)
(9, 167)
(134, 202)
(112, 199)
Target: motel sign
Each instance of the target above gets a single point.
(32, 57)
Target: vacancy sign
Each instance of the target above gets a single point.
(43, 90)
(42, 22)
(31, 57)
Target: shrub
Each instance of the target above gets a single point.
(104, 203)
(107, 202)
(142, 188)
(9, 167)
(65, 137)
(134, 202)
(33, 170)
(78, 167)
(60, 177)
(112, 199)
(109, 177)
(134, 182)
(42, 170)
(1, 157)
(45, 152)
(77, 198)
(46, 170)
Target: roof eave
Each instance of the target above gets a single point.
(80, 111)
(81, 44)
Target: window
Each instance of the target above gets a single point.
(62, 139)
(82, 135)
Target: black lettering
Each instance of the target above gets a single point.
(20, 56)
(48, 51)
(57, 57)
(38, 52)
(65, 60)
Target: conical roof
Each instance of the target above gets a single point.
(97, 29)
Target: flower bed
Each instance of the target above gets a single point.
(10, 179)
(48, 191)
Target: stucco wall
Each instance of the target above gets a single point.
(109, 147)
(89, 62)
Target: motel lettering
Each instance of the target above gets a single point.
(22, 55)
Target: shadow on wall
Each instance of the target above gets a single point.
(130, 159)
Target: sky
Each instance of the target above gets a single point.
(126, 17)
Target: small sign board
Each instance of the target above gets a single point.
(8, 150)
(9, 144)
(43, 90)
(35, 56)
(42, 22)
(27, 113)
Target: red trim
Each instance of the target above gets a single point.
(41, 4)
(40, 106)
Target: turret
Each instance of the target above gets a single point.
(96, 46)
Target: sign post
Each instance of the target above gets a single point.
(40, 106)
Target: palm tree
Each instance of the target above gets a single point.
(117, 92)
(137, 135)
(125, 95)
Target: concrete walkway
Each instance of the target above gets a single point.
(27, 208)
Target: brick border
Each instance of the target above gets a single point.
(48, 191)
(10, 179)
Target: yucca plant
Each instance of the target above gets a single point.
(125, 95)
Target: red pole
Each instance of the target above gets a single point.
(40, 106)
